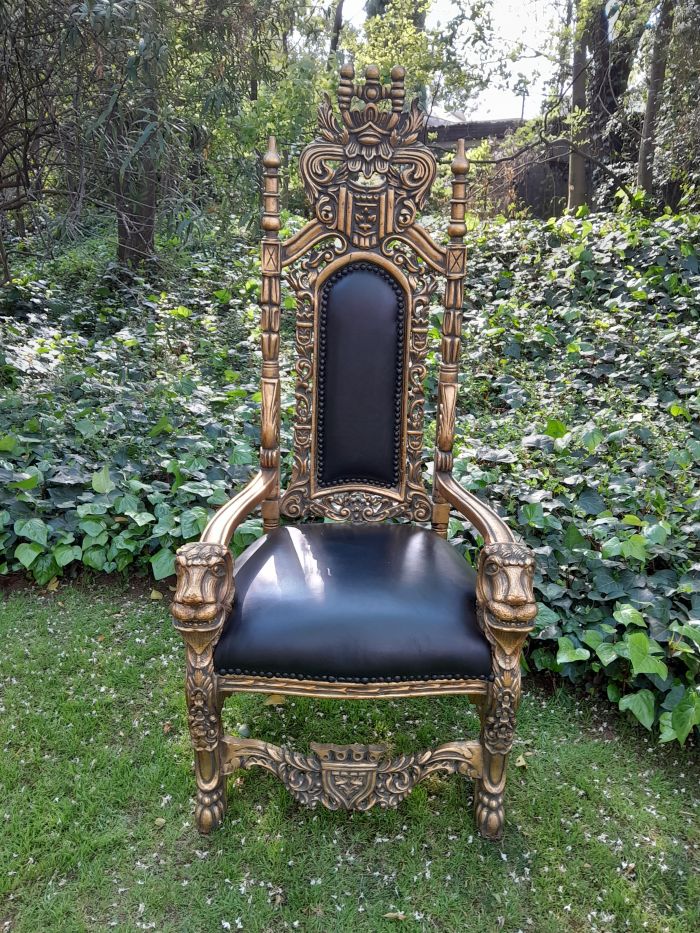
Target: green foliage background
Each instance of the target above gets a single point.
(128, 413)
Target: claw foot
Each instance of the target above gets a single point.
(488, 812)
(210, 809)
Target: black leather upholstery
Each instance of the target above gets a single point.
(360, 378)
(353, 602)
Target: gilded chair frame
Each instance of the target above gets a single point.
(365, 210)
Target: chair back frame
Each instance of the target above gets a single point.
(366, 178)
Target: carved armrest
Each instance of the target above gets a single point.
(504, 590)
(205, 588)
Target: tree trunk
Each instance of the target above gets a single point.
(135, 194)
(613, 56)
(135, 200)
(4, 263)
(337, 27)
(577, 159)
(657, 73)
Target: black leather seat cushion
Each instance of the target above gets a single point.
(353, 603)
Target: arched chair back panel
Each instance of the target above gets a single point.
(360, 378)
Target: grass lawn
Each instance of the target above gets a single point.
(603, 827)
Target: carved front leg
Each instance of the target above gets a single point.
(507, 610)
(203, 599)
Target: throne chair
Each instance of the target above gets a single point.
(373, 602)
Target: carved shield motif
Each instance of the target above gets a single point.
(348, 774)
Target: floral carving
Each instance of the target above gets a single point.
(499, 722)
(202, 715)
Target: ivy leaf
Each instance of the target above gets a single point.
(635, 546)
(686, 715)
(63, 554)
(26, 554)
(101, 481)
(641, 705)
(591, 502)
(573, 539)
(163, 564)
(33, 529)
(568, 653)
(641, 656)
(192, 522)
(606, 652)
(628, 615)
(555, 428)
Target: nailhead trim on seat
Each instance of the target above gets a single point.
(355, 680)
(398, 390)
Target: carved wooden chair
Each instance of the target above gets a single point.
(360, 607)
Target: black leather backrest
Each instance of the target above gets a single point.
(360, 378)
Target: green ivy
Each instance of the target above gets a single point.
(129, 412)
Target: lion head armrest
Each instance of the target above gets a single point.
(205, 587)
(204, 592)
(505, 594)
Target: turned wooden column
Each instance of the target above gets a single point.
(270, 339)
(455, 262)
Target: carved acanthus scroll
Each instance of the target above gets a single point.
(368, 176)
(351, 777)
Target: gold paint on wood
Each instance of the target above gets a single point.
(367, 176)
(203, 599)
(386, 690)
(351, 777)
(271, 264)
(506, 613)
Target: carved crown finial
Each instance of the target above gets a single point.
(368, 176)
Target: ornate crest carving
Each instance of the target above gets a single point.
(351, 777)
(368, 175)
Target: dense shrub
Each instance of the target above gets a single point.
(129, 412)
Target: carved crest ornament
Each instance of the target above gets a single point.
(367, 174)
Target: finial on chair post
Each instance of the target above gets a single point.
(460, 167)
(346, 87)
(448, 379)
(398, 91)
(271, 205)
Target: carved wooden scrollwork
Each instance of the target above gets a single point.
(507, 609)
(302, 277)
(360, 505)
(203, 599)
(368, 176)
(351, 777)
